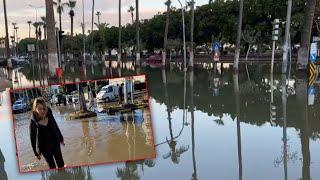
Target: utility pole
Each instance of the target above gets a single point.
(286, 42)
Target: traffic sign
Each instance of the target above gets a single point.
(216, 46)
(313, 52)
(315, 38)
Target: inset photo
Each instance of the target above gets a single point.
(83, 123)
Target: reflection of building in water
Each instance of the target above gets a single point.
(3, 174)
(146, 126)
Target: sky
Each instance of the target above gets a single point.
(20, 12)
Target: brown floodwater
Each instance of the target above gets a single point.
(105, 138)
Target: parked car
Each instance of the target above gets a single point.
(59, 99)
(111, 92)
(20, 105)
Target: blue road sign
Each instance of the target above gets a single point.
(313, 57)
(311, 90)
(216, 46)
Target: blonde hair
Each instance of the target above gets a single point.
(39, 101)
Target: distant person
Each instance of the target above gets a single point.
(45, 135)
(121, 93)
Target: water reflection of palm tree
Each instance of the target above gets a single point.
(174, 153)
(301, 89)
(237, 98)
(79, 173)
(194, 174)
(87, 139)
(3, 174)
(130, 171)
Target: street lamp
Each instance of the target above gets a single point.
(184, 38)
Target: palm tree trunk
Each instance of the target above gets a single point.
(119, 39)
(92, 21)
(237, 52)
(165, 42)
(71, 26)
(29, 31)
(303, 51)
(138, 34)
(192, 32)
(6, 27)
(52, 44)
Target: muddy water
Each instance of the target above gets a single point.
(105, 138)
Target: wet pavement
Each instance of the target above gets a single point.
(210, 125)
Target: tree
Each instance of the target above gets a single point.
(71, 4)
(98, 14)
(165, 41)
(237, 52)
(191, 4)
(52, 44)
(6, 27)
(44, 20)
(29, 22)
(119, 39)
(303, 52)
(60, 11)
(131, 10)
(138, 34)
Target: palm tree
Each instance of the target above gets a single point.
(98, 14)
(92, 22)
(165, 42)
(52, 47)
(6, 27)
(119, 40)
(59, 11)
(138, 34)
(71, 4)
(237, 52)
(131, 10)
(29, 22)
(303, 52)
(44, 20)
(191, 4)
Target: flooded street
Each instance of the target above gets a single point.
(208, 124)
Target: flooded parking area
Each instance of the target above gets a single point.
(105, 138)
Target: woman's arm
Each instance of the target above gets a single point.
(55, 125)
(33, 137)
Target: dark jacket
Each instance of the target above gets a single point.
(34, 132)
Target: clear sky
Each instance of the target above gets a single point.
(20, 12)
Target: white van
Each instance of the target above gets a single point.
(111, 92)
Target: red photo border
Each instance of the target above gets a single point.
(92, 164)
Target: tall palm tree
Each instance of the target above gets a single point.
(60, 9)
(52, 44)
(44, 25)
(131, 10)
(98, 14)
(119, 40)
(6, 27)
(92, 22)
(165, 42)
(303, 52)
(29, 22)
(71, 4)
(138, 34)
(237, 51)
(191, 4)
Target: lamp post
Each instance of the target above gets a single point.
(286, 42)
(184, 38)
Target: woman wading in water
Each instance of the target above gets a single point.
(45, 135)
